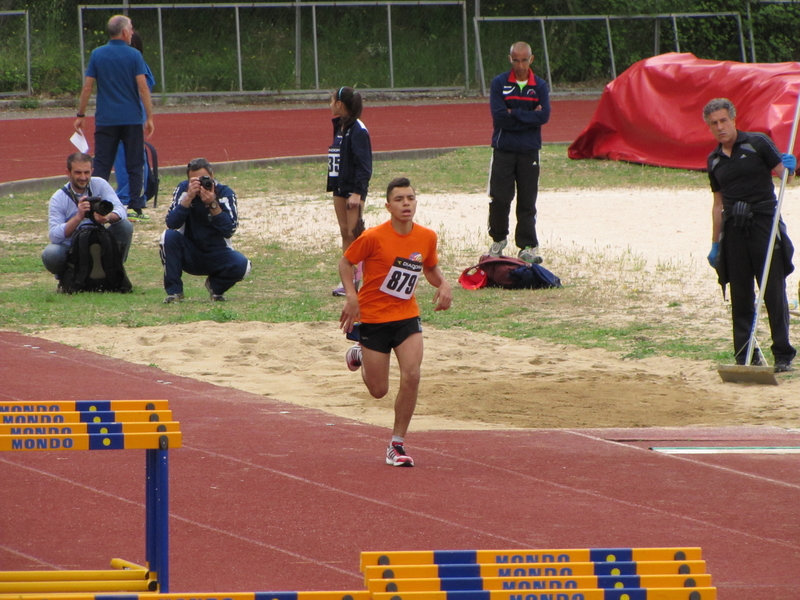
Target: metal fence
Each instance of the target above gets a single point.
(299, 7)
(21, 13)
(673, 17)
(309, 19)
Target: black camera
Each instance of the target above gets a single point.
(100, 206)
(207, 182)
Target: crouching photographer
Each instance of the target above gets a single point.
(83, 201)
(201, 220)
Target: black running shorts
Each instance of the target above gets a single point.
(382, 337)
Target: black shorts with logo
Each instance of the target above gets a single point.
(382, 337)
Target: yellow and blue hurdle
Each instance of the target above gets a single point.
(616, 569)
(536, 583)
(324, 595)
(569, 594)
(471, 557)
(100, 425)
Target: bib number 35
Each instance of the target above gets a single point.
(333, 162)
(402, 278)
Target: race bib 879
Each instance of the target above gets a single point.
(402, 278)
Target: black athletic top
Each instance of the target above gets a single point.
(334, 152)
(355, 160)
(745, 175)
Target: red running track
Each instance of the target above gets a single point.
(33, 148)
(267, 496)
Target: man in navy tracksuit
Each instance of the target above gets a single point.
(520, 105)
(201, 221)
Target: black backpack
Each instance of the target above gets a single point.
(94, 263)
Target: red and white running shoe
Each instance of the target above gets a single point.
(353, 358)
(397, 457)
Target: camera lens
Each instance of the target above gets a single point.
(100, 206)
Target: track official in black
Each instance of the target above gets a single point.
(520, 105)
(740, 170)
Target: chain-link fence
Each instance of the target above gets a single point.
(305, 47)
(598, 56)
(15, 59)
(279, 47)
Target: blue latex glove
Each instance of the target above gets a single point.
(713, 256)
(790, 162)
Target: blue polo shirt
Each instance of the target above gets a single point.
(115, 67)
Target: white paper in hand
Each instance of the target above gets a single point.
(79, 141)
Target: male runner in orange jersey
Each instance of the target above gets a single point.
(394, 254)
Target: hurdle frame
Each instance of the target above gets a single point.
(156, 465)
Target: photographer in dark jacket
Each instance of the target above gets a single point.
(349, 168)
(201, 221)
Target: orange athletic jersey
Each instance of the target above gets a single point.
(392, 269)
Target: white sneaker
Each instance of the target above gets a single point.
(353, 358)
(496, 249)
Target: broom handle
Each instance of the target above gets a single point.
(773, 236)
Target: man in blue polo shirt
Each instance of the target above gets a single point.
(122, 96)
(520, 105)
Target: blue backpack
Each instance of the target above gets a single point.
(533, 277)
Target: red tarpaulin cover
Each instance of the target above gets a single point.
(653, 112)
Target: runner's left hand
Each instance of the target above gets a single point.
(443, 297)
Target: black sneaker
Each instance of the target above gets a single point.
(783, 366)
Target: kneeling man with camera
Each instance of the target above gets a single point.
(200, 223)
(82, 202)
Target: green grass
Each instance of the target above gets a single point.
(466, 171)
(611, 309)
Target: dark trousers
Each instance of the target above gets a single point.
(512, 170)
(745, 253)
(106, 141)
(224, 266)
